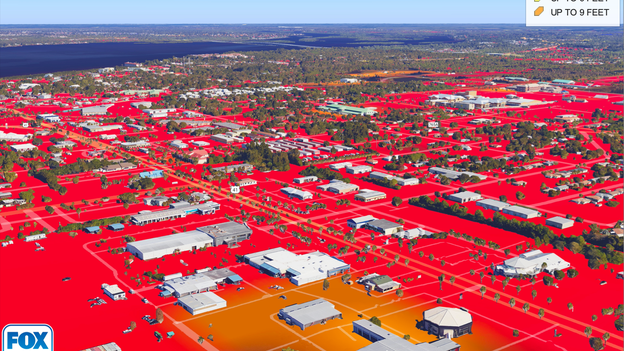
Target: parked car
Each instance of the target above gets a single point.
(66, 279)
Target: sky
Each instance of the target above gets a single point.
(260, 11)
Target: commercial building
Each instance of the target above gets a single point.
(339, 166)
(300, 269)
(464, 196)
(560, 222)
(359, 222)
(243, 167)
(379, 283)
(304, 180)
(227, 233)
(246, 182)
(348, 110)
(490, 204)
(156, 173)
(166, 245)
(49, 117)
(134, 145)
(385, 341)
(296, 193)
(413, 233)
(358, 169)
(95, 110)
(521, 212)
(201, 303)
(530, 263)
(190, 284)
(114, 292)
(338, 187)
(407, 181)
(221, 275)
(305, 315)
(173, 213)
(23, 147)
(366, 195)
(384, 227)
(447, 322)
(178, 144)
(451, 174)
(566, 118)
(35, 237)
(14, 137)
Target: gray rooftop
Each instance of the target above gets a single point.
(225, 229)
(171, 241)
(384, 224)
(311, 311)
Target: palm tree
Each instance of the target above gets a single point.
(441, 279)
(548, 300)
(481, 275)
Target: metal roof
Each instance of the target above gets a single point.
(447, 317)
(171, 241)
(310, 312)
(197, 301)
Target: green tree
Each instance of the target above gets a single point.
(512, 302)
(482, 290)
(534, 294)
(441, 279)
(595, 343)
(496, 297)
(325, 284)
(399, 293)
(375, 321)
(396, 201)
(541, 313)
(526, 307)
(588, 331)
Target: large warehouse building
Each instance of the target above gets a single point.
(166, 245)
(386, 341)
(300, 269)
(174, 212)
(310, 313)
(201, 303)
(530, 263)
(226, 233)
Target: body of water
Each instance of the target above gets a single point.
(41, 59)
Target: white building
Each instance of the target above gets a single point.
(23, 147)
(300, 269)
(521, 212)
(530, 263)
(190, 284)
(464, 196)
(201, 303)
(338, 187)
(35, 237)
(339, 166)
(296, 193)
(358, 169)
(490, 204)
(559, 222)
(166, 245)
(303, 180)
(49, 117)
(114, 292)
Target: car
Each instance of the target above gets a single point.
(283, 297)
(241, 288)
(66, 279)
(604, 282)
(145, 300)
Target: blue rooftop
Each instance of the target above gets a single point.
(92, 229)
(116, 226)
(234, 278)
